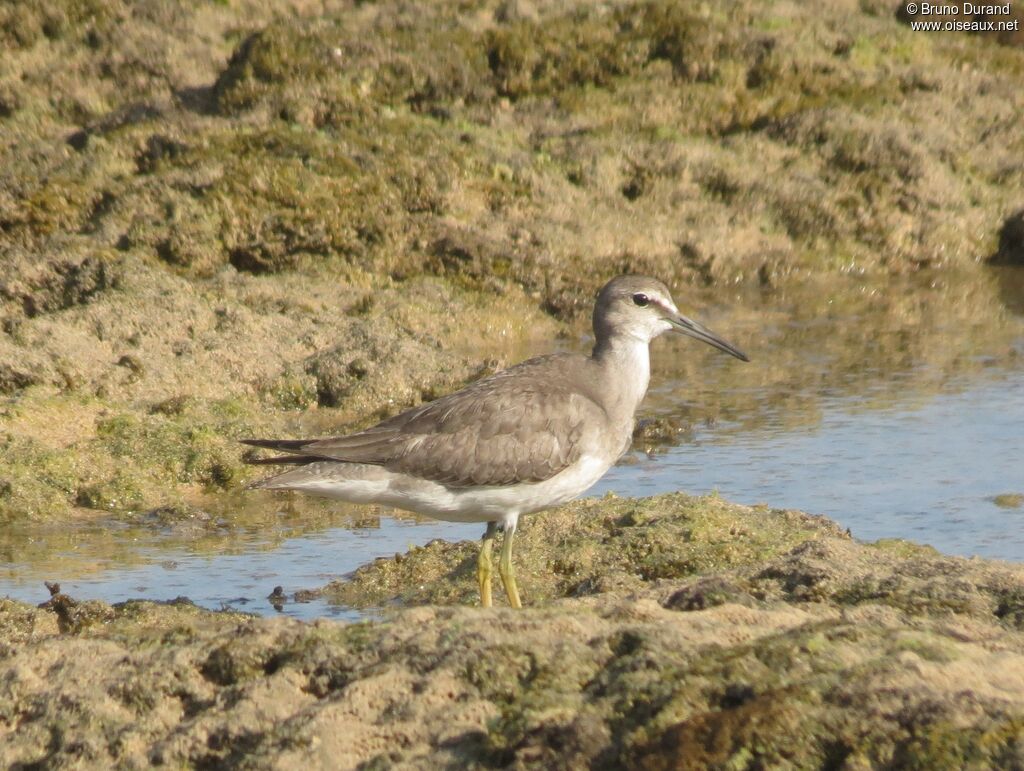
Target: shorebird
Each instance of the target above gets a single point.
(529, 438)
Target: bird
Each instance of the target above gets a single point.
(525, 439)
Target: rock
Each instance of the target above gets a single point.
(807, 649)
(1011, 241)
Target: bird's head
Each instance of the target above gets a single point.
(642, 308)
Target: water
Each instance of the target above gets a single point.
(895, 409)
(164, 566)
(929, 473)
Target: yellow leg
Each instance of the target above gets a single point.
(484, 569)
(507, 572)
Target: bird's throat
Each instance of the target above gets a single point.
(626, 365)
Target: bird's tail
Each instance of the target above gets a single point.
(283, 460)
(282, 445)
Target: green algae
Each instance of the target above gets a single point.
(356, 142)
(903, 548)
(27, 23)
(293, 391)
(184, 449)
(129, 459)
(37, 481)
(589, 547)
(1009, 500)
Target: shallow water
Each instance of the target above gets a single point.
(896, 409)
(164, 565)
(932, 473)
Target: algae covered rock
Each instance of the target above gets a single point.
(591, 547)
(781, 643)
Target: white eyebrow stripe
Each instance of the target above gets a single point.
(665, 305)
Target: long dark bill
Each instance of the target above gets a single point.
(697, 331)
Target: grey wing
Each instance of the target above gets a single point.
(499, 431)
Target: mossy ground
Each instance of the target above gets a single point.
(764, 639)
(590, 547)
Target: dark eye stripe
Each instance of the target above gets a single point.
(641, 299)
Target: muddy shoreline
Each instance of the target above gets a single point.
(689, 633)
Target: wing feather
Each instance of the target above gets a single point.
(525, 424)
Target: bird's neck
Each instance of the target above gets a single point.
(626, 364)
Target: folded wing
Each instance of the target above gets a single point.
(525, 424)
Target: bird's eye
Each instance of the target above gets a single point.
(641, 299)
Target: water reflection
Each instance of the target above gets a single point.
(875, 344)
(896, 408)
(222, 565)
